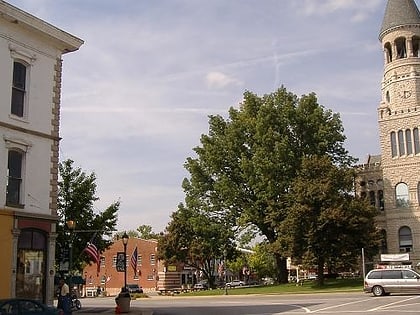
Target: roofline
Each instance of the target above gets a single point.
(67, 42)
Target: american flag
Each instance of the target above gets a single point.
(93, 252)
(133, 260)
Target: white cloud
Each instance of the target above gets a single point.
(218, 80)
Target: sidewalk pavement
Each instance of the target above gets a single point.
(110, 310)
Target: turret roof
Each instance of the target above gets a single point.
(399, 13)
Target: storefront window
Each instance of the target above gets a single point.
(30, 273)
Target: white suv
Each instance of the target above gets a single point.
(386, 281)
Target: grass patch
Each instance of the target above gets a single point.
(330, 285)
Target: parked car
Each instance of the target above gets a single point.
(235, 283)
(134, 288)
(386, 281)
(200, 286)
(18, 306)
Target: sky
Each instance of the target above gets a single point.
(137, 95)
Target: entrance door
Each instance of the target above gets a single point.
(30, 276)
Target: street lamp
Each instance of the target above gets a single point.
(125, 241)
(71, 225)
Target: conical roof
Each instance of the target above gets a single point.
(399, 13)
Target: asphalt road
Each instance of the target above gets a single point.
(333, 303)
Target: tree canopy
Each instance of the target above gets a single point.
(76, 197)
(247, 165)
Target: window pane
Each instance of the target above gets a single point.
(15, 164)
(14, 179)
(372, 198)
(401, 142)
(18, 89)
(393, 144)
(416, 140)
(38, 240)
(401, 193)
(19, 75)
(408, 141)
(18, 98)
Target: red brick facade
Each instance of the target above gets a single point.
(111, 281)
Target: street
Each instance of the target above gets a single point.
(344, 303)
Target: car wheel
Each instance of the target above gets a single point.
(377, 290)
(78, 304)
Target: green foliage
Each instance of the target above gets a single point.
(146, 232)
(278, 164)
(196, 240)
(246, 164)
(262, 261)
(326, 224)
(76, 197)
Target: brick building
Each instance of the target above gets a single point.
(111, 281)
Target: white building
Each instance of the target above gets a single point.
(30, 88)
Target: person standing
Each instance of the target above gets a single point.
(64, 299)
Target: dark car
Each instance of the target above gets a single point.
(19, 306)
(134, 288)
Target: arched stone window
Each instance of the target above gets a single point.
(372, 198)
(416, 139)
(401, 47)
(388, 52)
(408, 142)
(401, 195)
(405, 239)
(393, 144)
(401, 147)
(381, 200)
(416, 46)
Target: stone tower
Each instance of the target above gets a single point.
(399, 123)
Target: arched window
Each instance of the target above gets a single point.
(372, 198)
(393, 144)
(401, 195)
(387, 97)
(416, 140)
(406, 239)
(388, 52)
(408, 142)
(401, 48)
(416, 46)
(401, 147)
(381, 200)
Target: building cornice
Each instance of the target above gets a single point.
(65, 41)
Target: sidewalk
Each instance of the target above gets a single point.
(108, 310)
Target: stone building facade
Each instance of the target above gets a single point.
(392, 180)
(30, 90)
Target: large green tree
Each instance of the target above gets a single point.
(244, 168)
(326, 222)
(76, 197)
(195, 239)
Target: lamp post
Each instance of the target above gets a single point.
(125, 241)
(71, 226)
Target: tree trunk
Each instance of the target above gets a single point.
(282, 273)
(321, 262)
